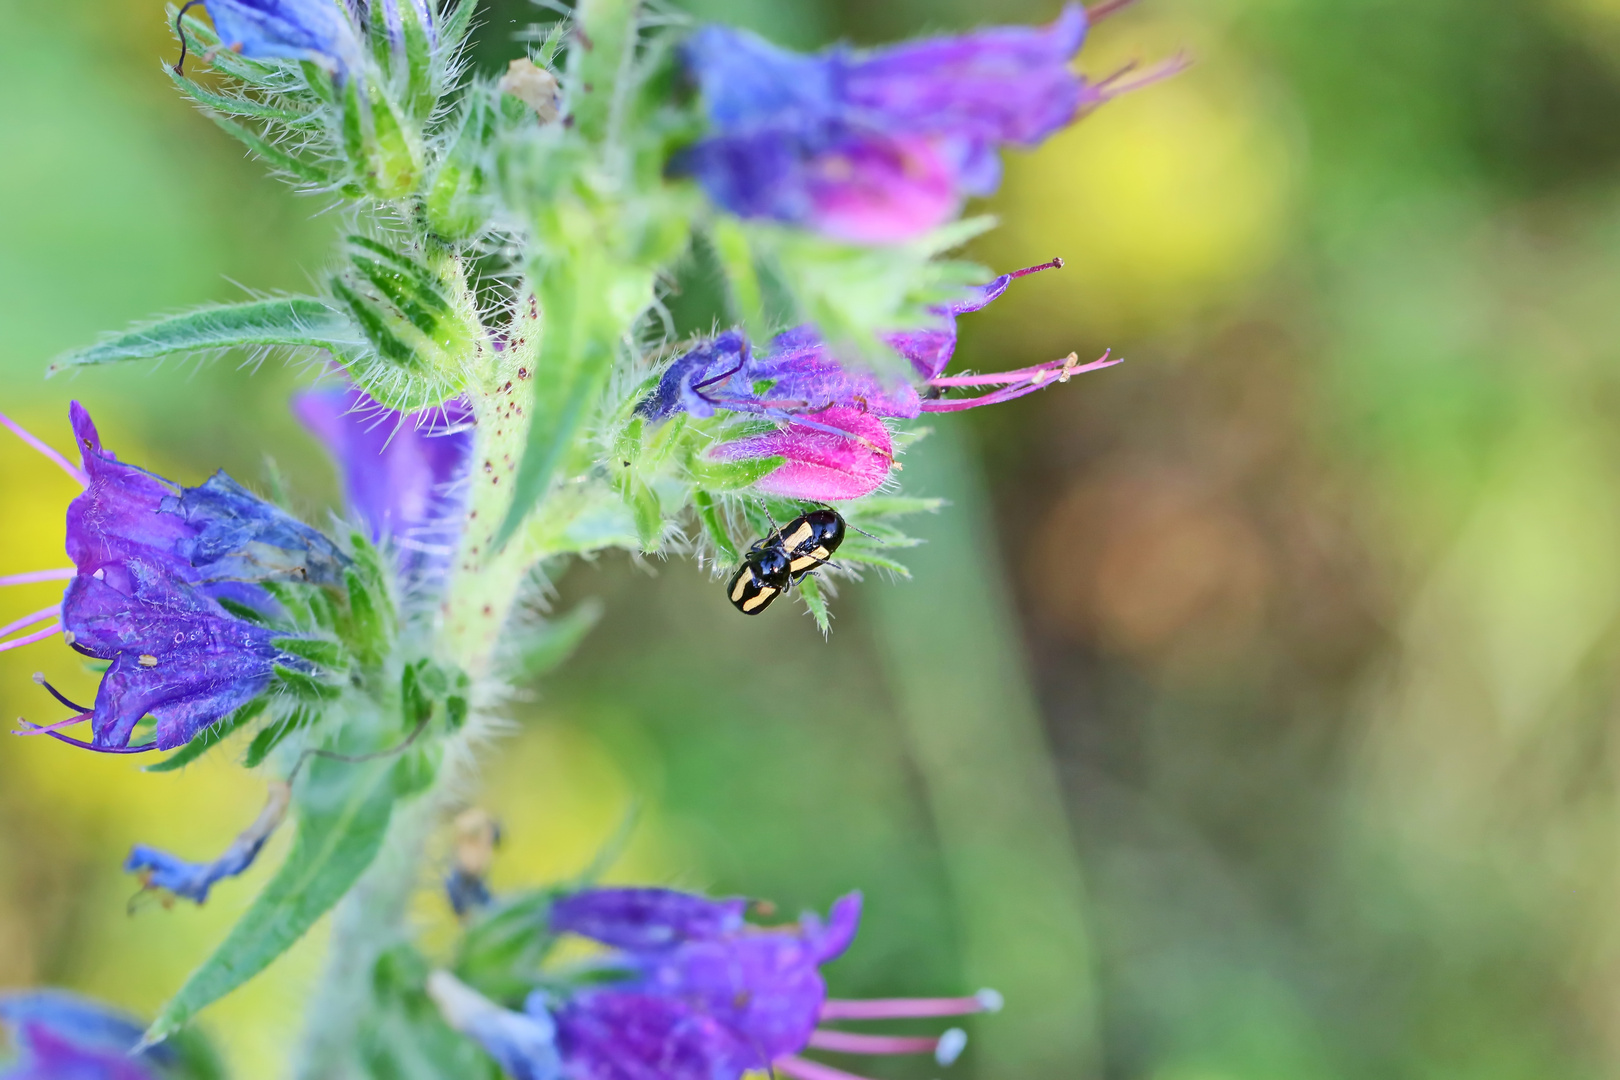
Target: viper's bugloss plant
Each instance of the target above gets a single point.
(499, 395)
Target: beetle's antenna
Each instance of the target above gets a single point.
(179, 65)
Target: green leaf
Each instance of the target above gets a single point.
(208, 738)
(419, 96)
(328, 654)
(454, 24)
(294, 321)
(303, 686)
(648, 514)
(868, 558)
(271, 737)
(538, 651)
(343, 814)
(709, 515)
(307, 171)
(236, 106)
(731, 475)
(893, 506)
(810, 589)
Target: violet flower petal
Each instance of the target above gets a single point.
(176, 654)
(399, 470)
(623, 1035)
(315, 30)
(822, 465)
(646, 919)
(60, 1036)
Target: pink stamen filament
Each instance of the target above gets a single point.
(1055, 264)
(46, 729)
(900, 1008)
(805, 1069)
(1039, 380)
(38, 635)
(81, 744)
(33, 576)
(847, 1042)
(38, 444)
(29, 620)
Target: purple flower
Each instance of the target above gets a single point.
(832, 433)
(316, 30)
(706, 996)
(59, 1036)
(163, 871)
(165, 586)
(401, 471)
(883, 145)
(835, 454)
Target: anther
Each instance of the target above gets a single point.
(951, 1045)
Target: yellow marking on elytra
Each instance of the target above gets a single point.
(742, 587)
(147, 660)
(800, 535)
(759, 600)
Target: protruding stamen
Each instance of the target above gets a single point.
(33, 576)
(29, 620)
(1015, 384)
(848, 1042)
(1098, 12)
(46, 729)
(39, 677)
(38, 635)
(805, 1069)
(909, 1008)
(1055, 264)
(38, 444)
(81, 744)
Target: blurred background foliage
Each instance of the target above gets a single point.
(1251, 715)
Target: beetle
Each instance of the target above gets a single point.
(783, 558)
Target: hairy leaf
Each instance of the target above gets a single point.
(297, 321)
(343, 814)
(810, 589)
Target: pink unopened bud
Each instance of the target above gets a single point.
(835, 454)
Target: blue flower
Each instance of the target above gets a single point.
(402, 472)
(59, 1036)
(878, 146)
(316, 30)
(166, 587)
(703, 996)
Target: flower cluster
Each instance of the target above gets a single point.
(832, 413)
(167, 587)
(881, 146)
(693, 992)
(494, 321)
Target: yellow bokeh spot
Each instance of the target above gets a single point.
(1160, 203)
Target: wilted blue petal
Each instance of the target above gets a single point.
(161, 870)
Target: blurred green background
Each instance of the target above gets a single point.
(1252, 712)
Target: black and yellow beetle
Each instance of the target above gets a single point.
(785, 556)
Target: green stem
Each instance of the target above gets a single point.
(368, 921)
(951, 649)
